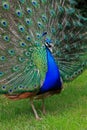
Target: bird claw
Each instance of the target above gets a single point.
(38, 118)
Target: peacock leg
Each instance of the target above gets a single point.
(43, 106)
(34, 110)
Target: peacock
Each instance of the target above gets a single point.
(43, 43)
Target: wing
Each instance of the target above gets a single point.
(23, 62)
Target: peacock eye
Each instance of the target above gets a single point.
(21, 28)
(60, 27)
(6, 38)
(6, 5)
(21, 59)
(44, 18)
(4, 23)
(10, 91)
(15, 68)
(11, 52)
(2, 58)
(1, 73)
(28, 38)
(40, 25)
(60, 9)
(28, 21)
(52, 12)
(53, 30)
(29, 10)
(38, 35)
(19, 13)
(34, 3)
(3, 87)
(27, 53)
(20, 86)
(22, 44)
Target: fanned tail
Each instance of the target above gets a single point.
(25, 27)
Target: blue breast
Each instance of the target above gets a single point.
(52, 79)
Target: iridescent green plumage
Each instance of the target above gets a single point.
(23, 58)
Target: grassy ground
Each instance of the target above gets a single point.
(67, 111)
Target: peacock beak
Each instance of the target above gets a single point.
(49, 46)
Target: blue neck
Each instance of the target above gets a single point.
(52, 79)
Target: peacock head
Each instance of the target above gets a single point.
(48, 41)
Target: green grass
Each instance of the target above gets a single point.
(66, 111)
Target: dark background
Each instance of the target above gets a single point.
(82, 5)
